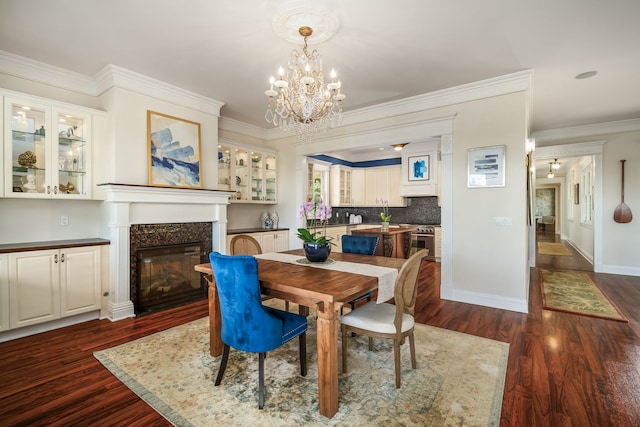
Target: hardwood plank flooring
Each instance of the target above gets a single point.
(563, 369)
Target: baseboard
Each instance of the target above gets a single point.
(486, 300)
(618, 269)
(26, 331)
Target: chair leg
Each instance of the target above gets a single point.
(396, 359)
(344, 349)
(303, 354)
(286, 306)
(223, 364)
(412, 347)
(261, 381)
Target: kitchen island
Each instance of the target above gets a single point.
(396, 242)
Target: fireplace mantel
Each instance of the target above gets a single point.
(128, 204)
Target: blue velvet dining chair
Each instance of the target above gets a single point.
(247, 325)
(364, 245)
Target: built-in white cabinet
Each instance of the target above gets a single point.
(318, 179)
(49, 284)
(270, 240)
(47, 149)
(365, 186)
(4, 292)
(252, 174)
(357, 187)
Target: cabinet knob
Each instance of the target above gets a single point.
(62, 258)
(55, 258)
(48, 189)
(55, 189)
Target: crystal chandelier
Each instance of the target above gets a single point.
(301, 102)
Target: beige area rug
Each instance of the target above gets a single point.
(577, 293)
(546, 248)
(459, 381)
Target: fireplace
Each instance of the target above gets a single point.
(162, 261)
(146, 217)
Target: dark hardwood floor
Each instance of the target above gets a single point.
(563, 369)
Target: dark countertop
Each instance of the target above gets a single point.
(378, 230)
(254, 230)
(51, 244)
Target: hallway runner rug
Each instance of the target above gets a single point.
(577, 293)
(546, 248)
(459, 381)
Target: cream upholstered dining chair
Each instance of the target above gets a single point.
(388, 320)
(243, 244)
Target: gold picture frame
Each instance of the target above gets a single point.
(173, 146)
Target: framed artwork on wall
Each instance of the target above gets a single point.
(173, 151)
(486, 167)
(418, 168)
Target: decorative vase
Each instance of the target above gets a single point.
(275, 219)
(317, 252)
(266, 221)
(385, 226)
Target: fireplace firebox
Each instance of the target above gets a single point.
(166, 277)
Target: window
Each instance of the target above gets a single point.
(586, 195)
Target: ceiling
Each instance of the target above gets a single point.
(382, 50)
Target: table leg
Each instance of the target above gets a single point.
(327, 333)
(215, 319)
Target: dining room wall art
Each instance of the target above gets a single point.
(173, 151)
(486, 167)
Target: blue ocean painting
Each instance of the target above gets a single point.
(419, 169)
(173, 163)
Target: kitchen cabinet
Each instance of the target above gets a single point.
(249, 172)
(383, 183)
(270, 240)
(341, 186)
(335, 233)
(47, 150)
(357, 187)
(437, 237)
(48, 284)
(318, 174)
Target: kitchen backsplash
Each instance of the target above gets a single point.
(419, 210)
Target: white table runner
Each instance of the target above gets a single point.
(386, 276)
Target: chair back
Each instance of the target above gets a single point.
(406, 289)
(550, 219)
(246, 325)
(242, 244)
(365, 245)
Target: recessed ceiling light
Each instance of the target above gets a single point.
(585, 75)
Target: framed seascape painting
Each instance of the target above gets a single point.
(174, 151)
(486, 167)
(418, 168)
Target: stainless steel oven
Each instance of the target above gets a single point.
(424, 238)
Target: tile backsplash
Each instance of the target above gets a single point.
(419, 210)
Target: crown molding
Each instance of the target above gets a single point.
(619, 126)
(510, 83)
(40, 72)
(110, 76)
(243, 128)
(114, 76)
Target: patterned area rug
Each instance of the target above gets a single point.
(459, 381)
(577, 293)
(546, 248)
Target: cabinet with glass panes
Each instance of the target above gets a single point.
(250, 174)
(47, 150)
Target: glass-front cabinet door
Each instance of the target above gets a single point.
(242, 175)
(46, 151)
(270, 175)
(257, 178)
(224, 167)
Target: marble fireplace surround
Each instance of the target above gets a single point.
(127, 204)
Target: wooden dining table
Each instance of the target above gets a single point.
(325, 290)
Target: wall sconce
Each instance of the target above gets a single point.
(530, 145)
(399, 147)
